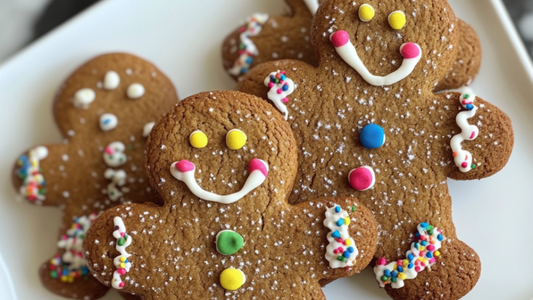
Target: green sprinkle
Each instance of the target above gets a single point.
(42, 191)
(353, 208)
(53, 274)
(130, 147)
(393, 279)
(121, 241)
(467, 96)
(473, 166)
(339, 258)
(384, 278)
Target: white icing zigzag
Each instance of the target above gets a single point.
(280, 88)
(121, 262)
(463, 158)
(341, 250)
(247, 48)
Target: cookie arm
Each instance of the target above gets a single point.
(38, 175)
(363, 230)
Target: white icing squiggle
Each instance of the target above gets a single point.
(72, 242)
(341, 251)
(280, 88)
(423, 254)
(184, 171)
(463, 158)
(247, 48)
(33, 183)
(118, 178)
(114, 154)
(312, 5)
(121, 262)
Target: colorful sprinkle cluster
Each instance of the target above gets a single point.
(33, 183)
(423, 254)
(462, 158)
(122, 263)
(71, 264)
(341, 251)
(279, 79)
(247, 48)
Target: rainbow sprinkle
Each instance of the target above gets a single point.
(33, 183)
(71, 264)
(247, 48)
(423, 254)
(341, 250)
(122, 263)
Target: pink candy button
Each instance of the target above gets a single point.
(362, 178)
(340, 38)
(257, 164)
(409, 50)
(184, 166)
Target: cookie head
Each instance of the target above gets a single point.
(386, 42)
(222, 150)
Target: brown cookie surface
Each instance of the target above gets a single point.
(332, 103)
(270, 38)
(172, 250)
(101, 110)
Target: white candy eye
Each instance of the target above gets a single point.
(366, 13)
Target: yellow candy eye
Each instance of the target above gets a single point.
(235, 139)
(198, 139)
(366, 13)
(397, 20)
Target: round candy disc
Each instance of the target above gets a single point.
(372, 136)
(366, 13)
(198, 139)
(229, 242)
(232, 279)
(235, 139)
(397, 20)
(362, 178)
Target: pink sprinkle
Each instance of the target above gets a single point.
(242, 29)
(417, 269)
(340, 38)
(473, 135)
(280, 91)
(184, 166)
(382, 261)
(432, 260)
(271, 85)
(464, 164)
(121, 271)
(399, 262)
(108, 150)
(122, 234)
(430, 247)
(285, 100)
(121, 284)
(257, 164)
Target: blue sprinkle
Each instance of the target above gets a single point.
(400, 269)
(394, 274)
(387, 272)
(469, 106)
(346, 254)
(424, 243)
(351, 249)
(249, 60)
(106, 121)
(410, 256)
(440, 238)
(429, 255)
(372, 136)
(424, 224)
(417, 234)
(337, 209)
(336, 234)
(410, 266)
(285, 88)
(244, 70)
(283, 77)
(340, 222)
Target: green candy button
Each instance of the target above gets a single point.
(229, 242)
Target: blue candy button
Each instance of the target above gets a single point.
(372, 136)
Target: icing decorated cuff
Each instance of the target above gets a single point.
(411, 52)
(122, 263)
(247, 48)
(72, 264)
(423, 254)
(183, 170)
(341, 251)
(280, 88)
(33, 184)
(462, 158)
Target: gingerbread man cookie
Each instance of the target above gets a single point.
(224, 163)
(104, 110)
(368, 125)
(267, 38)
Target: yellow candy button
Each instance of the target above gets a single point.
(397, 20)
(347, 221)
(401, 276)
(366, 13)
(347, 242)
(198, 139)
(235, 139)
(232, 279)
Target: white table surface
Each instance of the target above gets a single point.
(491, 215)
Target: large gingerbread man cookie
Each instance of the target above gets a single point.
(368, 125)
(105, 111)
(267, 38)
(224, 163)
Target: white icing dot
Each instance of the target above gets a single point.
(135, 91)
(83, 98)
(111, 80)
(41, 152)
(108, 122)
(148, 128)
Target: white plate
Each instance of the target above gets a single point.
(491, 215)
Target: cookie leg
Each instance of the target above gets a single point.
(452, 277)
(468, 62)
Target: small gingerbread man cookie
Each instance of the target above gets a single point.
(102, 110)
(267, 38)
(368, 125)
(224, 163)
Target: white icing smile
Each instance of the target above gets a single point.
(183, 170)
(411, 52)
